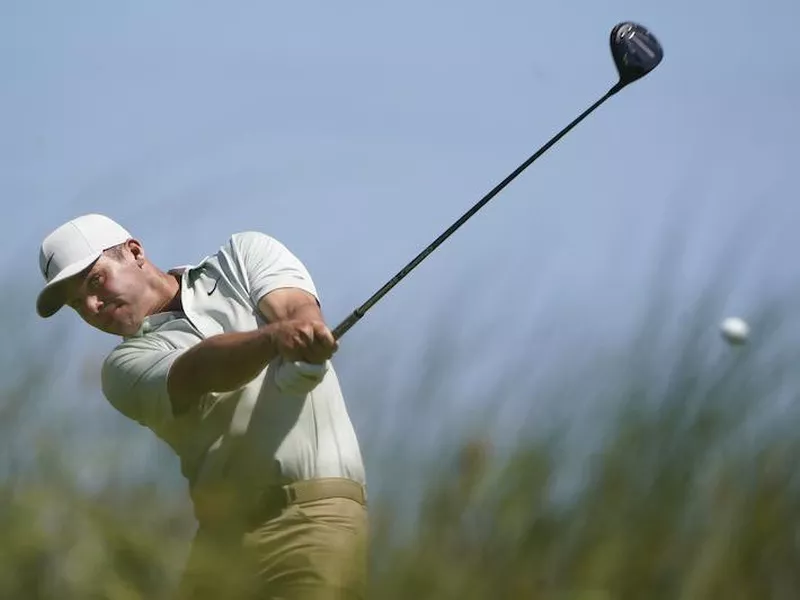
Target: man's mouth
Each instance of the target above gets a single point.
(107, 312)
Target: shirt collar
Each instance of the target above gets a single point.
(153, 322)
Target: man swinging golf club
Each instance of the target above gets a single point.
(228, 362)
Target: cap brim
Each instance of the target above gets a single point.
(50, 299)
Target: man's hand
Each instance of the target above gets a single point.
(304, 340)
(297, 329)
(222, 363)
(225, 362)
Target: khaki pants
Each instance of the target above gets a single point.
(312, 550)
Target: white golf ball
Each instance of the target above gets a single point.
(735, 330)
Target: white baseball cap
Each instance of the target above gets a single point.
(70, 249)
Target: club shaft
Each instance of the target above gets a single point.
(358, 313)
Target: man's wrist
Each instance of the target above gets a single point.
(267, 341)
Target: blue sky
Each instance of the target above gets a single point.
(356, 132)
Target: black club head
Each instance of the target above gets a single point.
(636, 51)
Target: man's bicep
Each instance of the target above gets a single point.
(134, 381)
(289, 303)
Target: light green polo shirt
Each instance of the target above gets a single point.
(257, 435)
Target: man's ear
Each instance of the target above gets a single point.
(137, 251)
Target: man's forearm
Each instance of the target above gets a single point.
(221, 363)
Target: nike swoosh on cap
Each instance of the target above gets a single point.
(47, 265)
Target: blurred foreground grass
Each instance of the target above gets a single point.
(690, 493)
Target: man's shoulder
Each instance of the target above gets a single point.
(255, 248)
(135, 359)
(236, 244)
(239, 246)
(247, 236)
(244, 242)
(250, 234)
(136, 344)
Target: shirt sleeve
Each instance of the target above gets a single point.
(134, 381)
(269, 265)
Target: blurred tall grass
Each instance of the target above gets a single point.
(684, 488)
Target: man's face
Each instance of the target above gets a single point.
(109, 295)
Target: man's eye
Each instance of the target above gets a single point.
(95, 281)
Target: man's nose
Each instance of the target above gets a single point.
(93, 305)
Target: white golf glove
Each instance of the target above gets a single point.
(296, 377)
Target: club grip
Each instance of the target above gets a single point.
(345, 325)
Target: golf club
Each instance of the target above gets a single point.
(636, 52)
